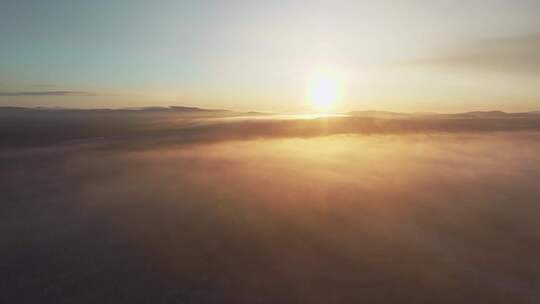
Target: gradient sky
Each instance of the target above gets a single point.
(413, 55)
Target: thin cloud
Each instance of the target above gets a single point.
(44, 85)
(518, 54)
(48, 93)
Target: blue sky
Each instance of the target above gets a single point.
(255, 55)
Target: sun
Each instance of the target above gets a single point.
(324, 92)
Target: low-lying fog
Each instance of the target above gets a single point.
(415, 217)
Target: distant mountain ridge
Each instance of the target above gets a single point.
(472, 114)
(197, 110)
(143, 109)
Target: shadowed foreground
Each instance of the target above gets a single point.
(388, 218)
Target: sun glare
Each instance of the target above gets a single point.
(324, 92)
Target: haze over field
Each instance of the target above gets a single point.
(192, 206)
